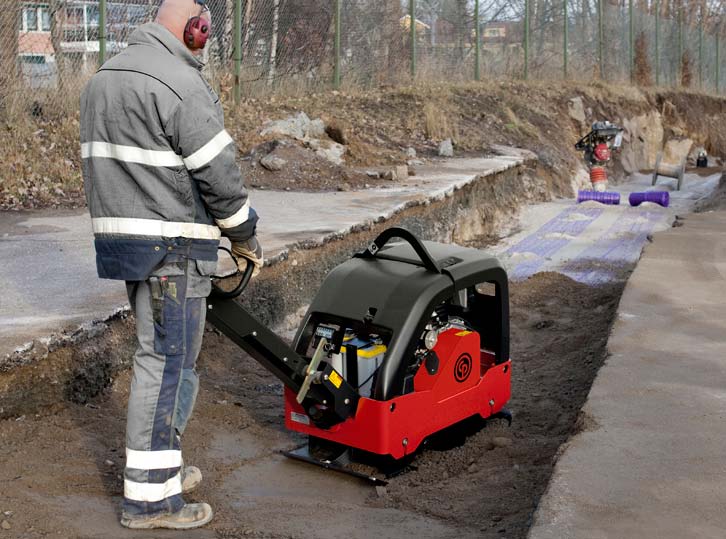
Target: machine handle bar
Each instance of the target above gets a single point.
(397, 232)
(237, 290)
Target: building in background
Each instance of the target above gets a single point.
(74, 28)
(502, 32)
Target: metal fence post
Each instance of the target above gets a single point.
(718, 59)
(526, 39)
(237, 49)
(338, 11)
(657, 43)
(600, 38)
(477, 73)
(700, 50)
(565, 39)
(412, 22)
(631, 38)
(679, 64)
(101, 32)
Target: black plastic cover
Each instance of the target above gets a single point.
(397, 285)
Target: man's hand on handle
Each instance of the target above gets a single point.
(248, 252)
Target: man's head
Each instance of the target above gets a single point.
(188, 20)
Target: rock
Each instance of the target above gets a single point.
(299, 127)
(411, 153)
(411, 171)
(472, 468)
(373, 174)
(333, 154)
(402, 172)
(344, 187)
(273, 163)
(446, 148)
(445, 474)
(381, 491)
(390, 175)
(5, 525)
(677, 150)
(501, 441)
(331, 151)
(642, 140)
(576, 109)
(108, 463)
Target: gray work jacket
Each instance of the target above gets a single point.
(159, 168)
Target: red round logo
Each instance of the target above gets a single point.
(462, 369)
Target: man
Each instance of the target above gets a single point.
(162, 185)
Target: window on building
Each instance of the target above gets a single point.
(494, 32)
(33, 59)
(92, 14)
(74, 15)
(31, 19)
(45, 19)
(35, 18)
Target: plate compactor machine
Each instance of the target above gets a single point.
(401, 342)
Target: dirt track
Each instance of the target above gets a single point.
(61, 473)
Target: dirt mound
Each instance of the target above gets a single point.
(41, 162)
(287, 165)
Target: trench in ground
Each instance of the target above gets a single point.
(487, 487)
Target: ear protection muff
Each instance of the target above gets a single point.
(197, 30)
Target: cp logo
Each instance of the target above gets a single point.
(462, 369)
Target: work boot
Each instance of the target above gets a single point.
(192, 515)
(191, 477)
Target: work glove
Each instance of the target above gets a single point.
(248, 252)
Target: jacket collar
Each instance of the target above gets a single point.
(157, 35)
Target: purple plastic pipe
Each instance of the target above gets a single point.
(659, 197)
(606, 197)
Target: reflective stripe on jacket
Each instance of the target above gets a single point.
(159, 168)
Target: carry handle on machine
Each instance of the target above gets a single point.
(383, 238)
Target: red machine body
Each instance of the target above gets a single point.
(401, 342)
(466, 383)
(602, 152)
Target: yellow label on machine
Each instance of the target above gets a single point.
(335, 379)
(369, 352)
(463, 333)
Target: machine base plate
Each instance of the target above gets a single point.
(340, 464)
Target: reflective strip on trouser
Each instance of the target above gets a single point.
(163, 391)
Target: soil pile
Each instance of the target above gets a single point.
(41, 161)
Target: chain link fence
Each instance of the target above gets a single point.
(49, 48)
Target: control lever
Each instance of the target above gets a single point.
(311, 373)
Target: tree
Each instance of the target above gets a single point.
(273, 43)
(57, 11)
